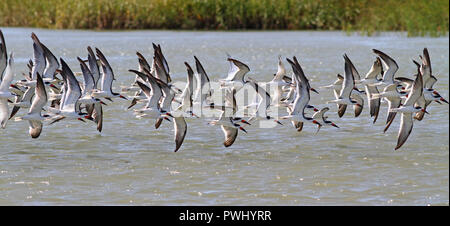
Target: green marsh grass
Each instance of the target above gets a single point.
(416, 17)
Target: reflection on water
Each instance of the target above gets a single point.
(131, 163)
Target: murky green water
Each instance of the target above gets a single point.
(131, 163)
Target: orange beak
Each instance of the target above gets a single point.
(88, 117)
(316, 122)
(243, 121)
(192, 114)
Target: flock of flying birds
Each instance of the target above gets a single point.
(52, 99)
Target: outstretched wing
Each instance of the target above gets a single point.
(180, 127)
(230, 135)
(406, 126)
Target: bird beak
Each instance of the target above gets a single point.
(314, 90)
(243, 121)
(167, 119)
(123, 97)
(101, 102)
(435, 92)
(53, 86)
(316, 110)
(242, 129)
(316, 122)
(425, 111)
(444, 100)
(14, 86)
(168, 114)
(334, 125)
(278, 122)
(81, 119)
(194, 115)
(88, 117)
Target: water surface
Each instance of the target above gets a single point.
(131, 163)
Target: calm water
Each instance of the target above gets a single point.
(131, 163)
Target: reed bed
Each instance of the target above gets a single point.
(416, 17)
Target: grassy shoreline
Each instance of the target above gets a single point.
(416, 17)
